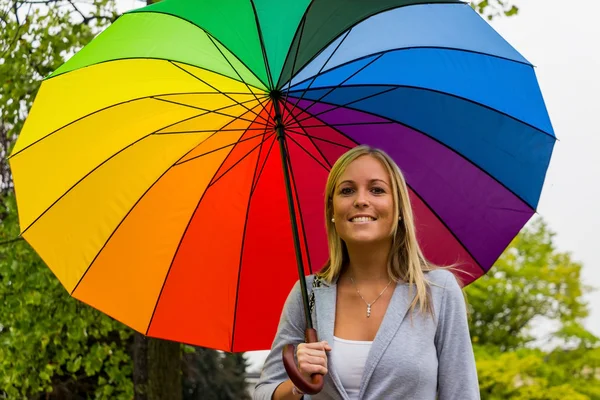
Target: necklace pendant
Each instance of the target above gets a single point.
(368, 310)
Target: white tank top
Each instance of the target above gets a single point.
(349, 358)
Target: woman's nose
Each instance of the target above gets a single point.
(361, 200)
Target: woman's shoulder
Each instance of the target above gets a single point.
(310, 280)
(445, 287)
(440, 277)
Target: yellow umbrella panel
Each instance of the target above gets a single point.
(103, 154)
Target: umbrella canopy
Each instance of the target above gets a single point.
(149, 172)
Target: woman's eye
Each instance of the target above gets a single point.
(377, 190)
(346, 191)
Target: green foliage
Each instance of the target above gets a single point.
(533, 374)
(50, 342)
(234, 367)
(35, 38)
(212, 375)
(495, 8)
(533, 282)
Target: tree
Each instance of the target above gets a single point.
(533, 283)
(531, 280)
(495, 8)
(52, 343)
(35, 38)
(212, 375)
(234, 368)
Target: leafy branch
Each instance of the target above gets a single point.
(495, 8)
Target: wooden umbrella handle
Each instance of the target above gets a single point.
(315, 385)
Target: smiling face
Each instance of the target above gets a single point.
(363, 203)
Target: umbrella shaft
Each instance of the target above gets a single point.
(290, 199)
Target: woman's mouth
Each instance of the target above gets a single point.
(362, 219)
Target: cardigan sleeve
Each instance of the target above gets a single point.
(457, 373)
(291, 330)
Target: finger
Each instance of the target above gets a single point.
(313, 353)
(310, 369)
(326, 346)
(314, 346)
(318, 360)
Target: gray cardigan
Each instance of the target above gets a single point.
(412, 357)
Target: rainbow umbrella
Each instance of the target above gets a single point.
(171, 173)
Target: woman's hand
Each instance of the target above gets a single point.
(312, 358)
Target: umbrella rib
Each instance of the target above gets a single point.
(82, 179)
(460, 242)
(322, 67)
(325, 167)
(207, 130)
(232, 67)
(220, 148)
(441, 220)
(301, 219)
(303, 23)
(211, 86)
(395, 87)
(356, 23)
(287, 56)
(101, 164)
(383, 52)
(430, 208)
(348, 124)
(340, 84)
(156, 59)
(126, 214)
(295, 132)
(309, 138)
(239, 278)
(212, 111)
(262, 45)
(240, 160)
(262, 167)
(180, 243)
(316, 116)
(338, 106)
(104, 109)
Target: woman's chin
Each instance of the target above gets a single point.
(364, 240)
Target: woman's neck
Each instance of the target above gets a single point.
(368, 262)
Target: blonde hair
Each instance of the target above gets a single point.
(406, 262)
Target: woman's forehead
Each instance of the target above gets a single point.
(365, 169)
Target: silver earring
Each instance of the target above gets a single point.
(332, 219)
(399, 218)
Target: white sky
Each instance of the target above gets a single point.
(563, 40)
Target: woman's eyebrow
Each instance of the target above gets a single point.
(379, 180)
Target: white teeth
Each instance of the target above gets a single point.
(362, 219)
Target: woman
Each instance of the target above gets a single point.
(391, 325)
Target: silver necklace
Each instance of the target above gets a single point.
(373, 302)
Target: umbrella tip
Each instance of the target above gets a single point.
(275, 94)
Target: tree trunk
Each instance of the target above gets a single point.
(164, 370)
(157, 369)
(140, 366)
